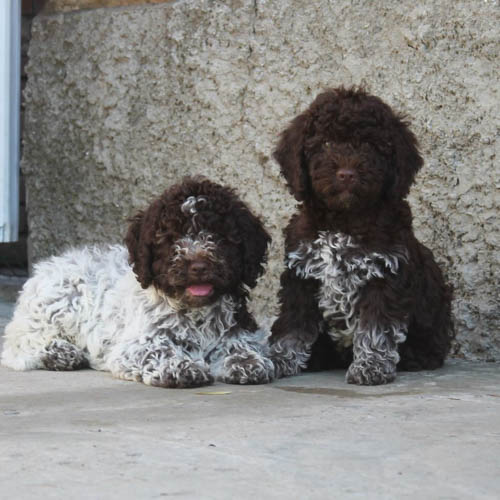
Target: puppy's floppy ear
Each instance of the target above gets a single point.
(139, 242)
(406, 159)
(254, 242)
(290, 155)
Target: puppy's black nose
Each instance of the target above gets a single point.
(346, 176)
(198, 267)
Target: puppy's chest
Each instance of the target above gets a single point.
(343, 268)
(200, 329)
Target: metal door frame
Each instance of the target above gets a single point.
(10, 109)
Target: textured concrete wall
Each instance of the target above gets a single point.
(122, 102)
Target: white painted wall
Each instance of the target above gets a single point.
(10, 80)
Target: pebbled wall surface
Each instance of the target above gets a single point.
(122, 102)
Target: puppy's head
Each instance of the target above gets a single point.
(197, 242)
(349, 151)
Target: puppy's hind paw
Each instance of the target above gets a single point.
(61, 355)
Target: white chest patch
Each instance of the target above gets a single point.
(343, 268)
(202, 328)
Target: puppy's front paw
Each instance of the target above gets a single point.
(289, 357)
(247, 368)
(185, 374)
(366, 373)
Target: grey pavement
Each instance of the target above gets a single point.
(85, 435)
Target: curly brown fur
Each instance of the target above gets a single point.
(155, 234)
(359, 290)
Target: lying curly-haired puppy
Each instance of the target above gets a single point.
(359, 290)
(170, 312)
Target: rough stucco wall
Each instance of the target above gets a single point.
(122, 102)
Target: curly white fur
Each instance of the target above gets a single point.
(87, 307)
(342, 268)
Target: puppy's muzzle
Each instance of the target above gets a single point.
(346, 177)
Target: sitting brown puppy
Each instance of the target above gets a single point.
(359, 290)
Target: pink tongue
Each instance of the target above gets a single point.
(200, 290)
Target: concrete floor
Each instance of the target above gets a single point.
(85, 435)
